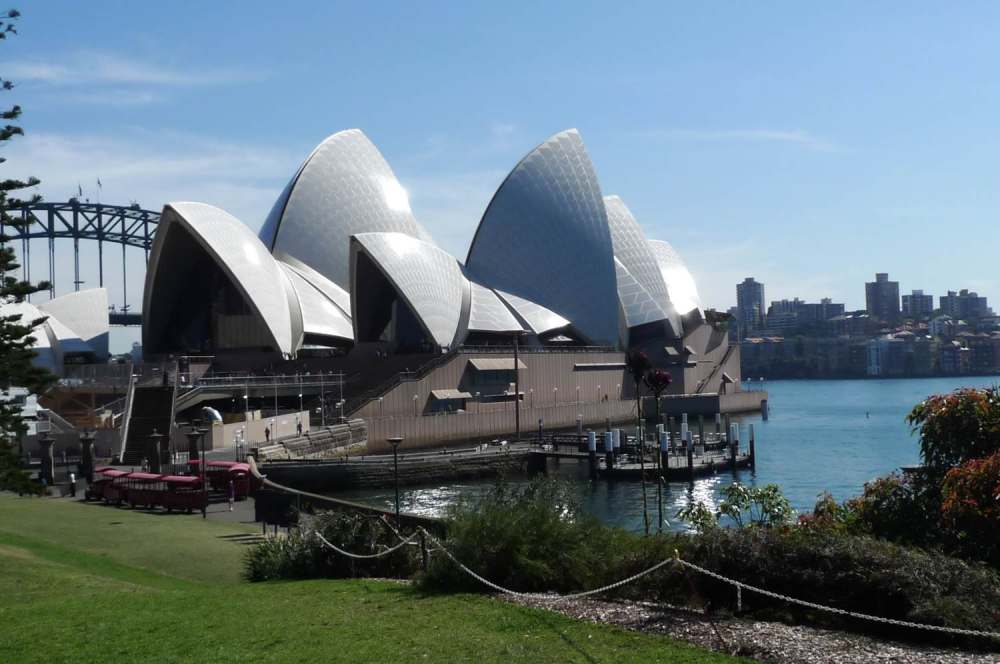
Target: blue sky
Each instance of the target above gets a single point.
(807, 145)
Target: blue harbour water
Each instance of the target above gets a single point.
(822, 435)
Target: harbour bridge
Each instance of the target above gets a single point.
(126, 226)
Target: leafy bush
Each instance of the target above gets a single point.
(899, 508)
(743, 506)
(530, 538)
(860, 574)
(957, 427)
(301, 555)
(970, 509)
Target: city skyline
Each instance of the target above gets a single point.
(811, 172)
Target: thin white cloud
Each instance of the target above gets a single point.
(90, 68)
(796, 137)
(156, 167)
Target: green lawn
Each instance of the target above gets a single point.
(86, 583)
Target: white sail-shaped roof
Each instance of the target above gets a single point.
(680, 284)
(428, 279)
(637, 257)
(238, 253)
(320, 316)
(545, 238)
(637, 304)
(487, 313)
(537, 317)
(330, 290)
(86, 314)
(343, 188)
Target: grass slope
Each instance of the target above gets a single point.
(88, 583)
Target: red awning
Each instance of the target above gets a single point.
(112, 473)
(144, 476)
(181, 479)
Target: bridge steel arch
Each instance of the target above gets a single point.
(128, 226)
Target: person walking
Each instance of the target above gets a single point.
(267, 434)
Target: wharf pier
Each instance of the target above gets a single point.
(675, 455)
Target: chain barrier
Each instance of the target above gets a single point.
(739, 585)
(544, 596)
(829, 609)
(361, 556)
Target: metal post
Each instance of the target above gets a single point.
(753, 451)
(517, 393)
(201, 468)
(690, 456)
(592, 454)
(701, 430)
(609, 452)
(734, 444)
(395, 441)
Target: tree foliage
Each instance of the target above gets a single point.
(16, 342)
(970, 509)
(957, 427)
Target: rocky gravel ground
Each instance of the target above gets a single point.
(763, 641)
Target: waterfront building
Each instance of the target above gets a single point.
(965, 304)
(787, 315)
(750, 305)
(882, 298)
(343, 276)
(917, 304)
(853, 324)
(73, 328)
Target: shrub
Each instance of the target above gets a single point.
(743, 506)
(856, 573)
(970, 509)
(957, 427)
(900, 508)
(529, 538)
(301, 555)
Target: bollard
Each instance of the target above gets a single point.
(423, 551)
(46, 472)
(690, 456)
(87, 456)
(609, 450)
(592, 454)
(753, 452)
(734, 444)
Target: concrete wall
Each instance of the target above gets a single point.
(468, 427)
(224, 435)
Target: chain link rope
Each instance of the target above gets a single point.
(829, 609)
(739, 585)
(361, 556)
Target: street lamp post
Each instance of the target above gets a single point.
(517, 389)
(395, 441)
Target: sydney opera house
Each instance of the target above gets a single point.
(342, 271)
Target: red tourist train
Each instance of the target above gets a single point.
(170, 492)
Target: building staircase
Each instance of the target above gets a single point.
(151, 407)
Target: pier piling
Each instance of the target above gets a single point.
(689, 445)
(753, 451)
(592, 454)
(609, 451)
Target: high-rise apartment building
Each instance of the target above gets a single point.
(964, 304)
(917, 304)
(750, 304)
(882, 298)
